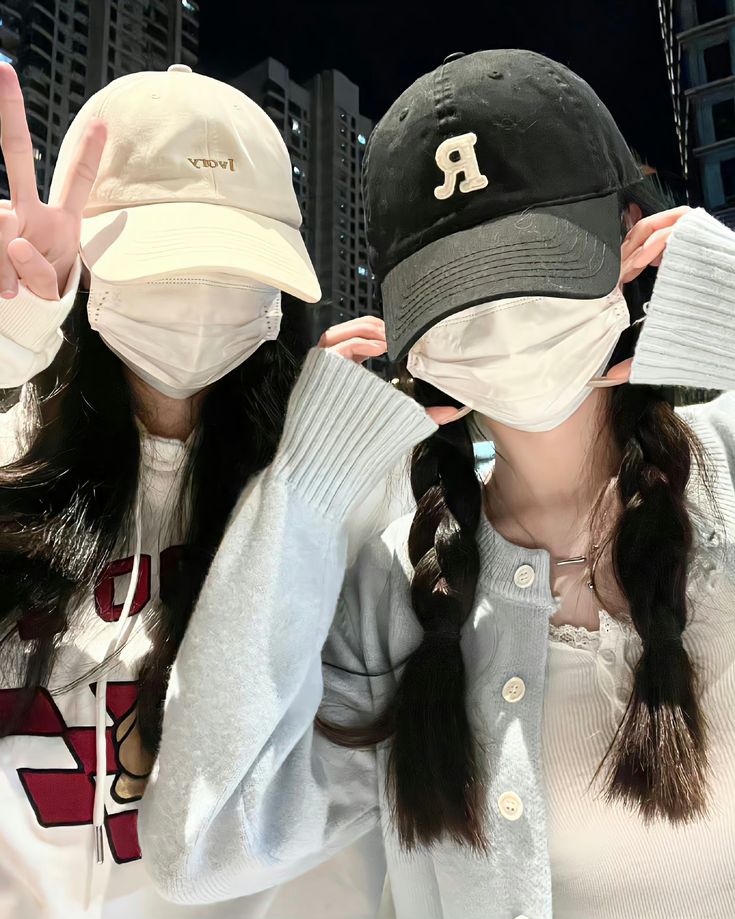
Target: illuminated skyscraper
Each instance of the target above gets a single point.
(65, 50)
(700, 40)
(326, 135)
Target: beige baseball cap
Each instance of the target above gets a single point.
(194, 176)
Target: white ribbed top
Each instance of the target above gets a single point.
(605, 864)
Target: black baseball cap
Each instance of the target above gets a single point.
(495, 175)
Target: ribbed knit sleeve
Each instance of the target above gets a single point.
(688, 337)
(350, 428)
(29, 330)
(245, 794)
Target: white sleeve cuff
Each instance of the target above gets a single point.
(30, 335)
(31, 321)
(687, 337)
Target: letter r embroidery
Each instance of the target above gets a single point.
(466, 162)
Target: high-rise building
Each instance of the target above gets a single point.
(290, 108)
(702, 69)
(65, 50)
(9, 33)
(326, 135)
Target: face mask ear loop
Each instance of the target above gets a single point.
(626, 344)
(273, 317)
(123, 630)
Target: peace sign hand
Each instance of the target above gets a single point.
(39, 243)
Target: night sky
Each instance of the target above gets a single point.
(613, 44)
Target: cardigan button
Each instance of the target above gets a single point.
(510, 805)
(514, 690)
(524, 576)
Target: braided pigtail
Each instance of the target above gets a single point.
(434, 770)
(434, 775)
(658, 757)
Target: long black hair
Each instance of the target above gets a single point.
(657, 761)
(68, 500)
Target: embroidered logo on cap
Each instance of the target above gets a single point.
(465, 161)
(212, 164)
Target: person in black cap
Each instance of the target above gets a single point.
(511, 776)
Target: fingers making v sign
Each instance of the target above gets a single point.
(39, 243)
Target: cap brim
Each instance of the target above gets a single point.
(566, 250)
(127, 244)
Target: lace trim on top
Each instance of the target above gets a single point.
(588, 639)
(706, 564)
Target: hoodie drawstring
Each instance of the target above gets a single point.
(100, 726)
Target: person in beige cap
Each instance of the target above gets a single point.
(141, 306)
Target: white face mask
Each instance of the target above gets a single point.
(523, 361)
(182, 332)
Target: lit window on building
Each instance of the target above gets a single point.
(361, 139)
(295, 126)
(37, 154)
(190, 5)
(362, 271)
(296, 171)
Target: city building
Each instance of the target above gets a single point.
(65, 50)
(326, 135)
(703, 66)
(290, 107)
